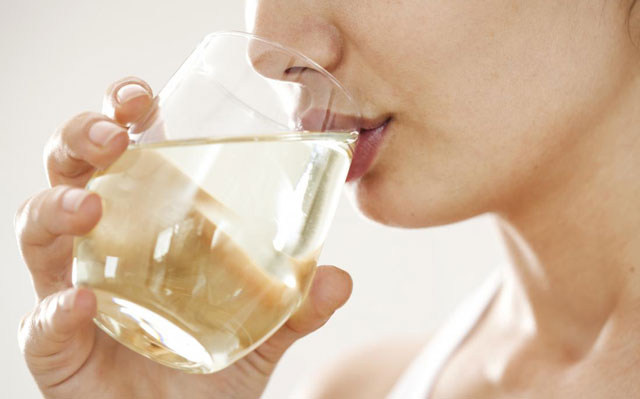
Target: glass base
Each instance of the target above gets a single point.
(152, 335)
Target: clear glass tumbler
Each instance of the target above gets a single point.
(214, 217)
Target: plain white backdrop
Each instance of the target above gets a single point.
(58, 58)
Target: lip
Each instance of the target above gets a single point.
(370, 137)
(366, 149)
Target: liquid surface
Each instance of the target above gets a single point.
(206, 247)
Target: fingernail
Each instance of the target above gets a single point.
(101, 132)
(73, 198)
(129, 92)
(67, 300)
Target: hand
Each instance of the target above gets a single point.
(67, 354)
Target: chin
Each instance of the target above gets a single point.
(391, 202)
(378, 201)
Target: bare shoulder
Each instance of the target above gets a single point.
(369, 371)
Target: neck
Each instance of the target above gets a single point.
(575, 248)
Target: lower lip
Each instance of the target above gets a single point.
(366, 149)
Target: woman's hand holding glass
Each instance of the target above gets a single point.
(67, 354)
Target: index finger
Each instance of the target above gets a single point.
(84, 143)
(91, 141)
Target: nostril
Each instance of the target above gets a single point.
(295, 70)
(271, 62)
(279, 64)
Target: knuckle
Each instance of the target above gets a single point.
(36, 207)
(18, 217)
(43, 325)
(68, 132)
(32, 215)
(33, 329)
(62, 154)
(27, 214)
(25, 331)
(50, 152)
(39, 315)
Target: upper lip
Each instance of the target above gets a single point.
(371, 124)
(323, 120)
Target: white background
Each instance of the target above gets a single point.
(57, 58)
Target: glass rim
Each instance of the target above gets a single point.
(293, 52)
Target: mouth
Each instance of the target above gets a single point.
(370, 137)
(369, 140)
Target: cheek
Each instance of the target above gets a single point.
(488, 117)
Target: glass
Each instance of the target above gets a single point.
(214, 217)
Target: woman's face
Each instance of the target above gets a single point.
(489, 100)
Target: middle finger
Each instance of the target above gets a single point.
(45, 225)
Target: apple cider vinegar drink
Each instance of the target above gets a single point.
(205, 247)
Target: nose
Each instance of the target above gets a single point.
(302, 25)
(298, 25)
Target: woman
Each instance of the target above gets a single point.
(528, 110)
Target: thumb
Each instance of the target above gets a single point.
(330, 290)
(57, 336)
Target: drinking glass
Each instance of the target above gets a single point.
(214, 217)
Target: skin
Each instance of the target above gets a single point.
(527, 110)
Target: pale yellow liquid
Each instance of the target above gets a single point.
(205, 248)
